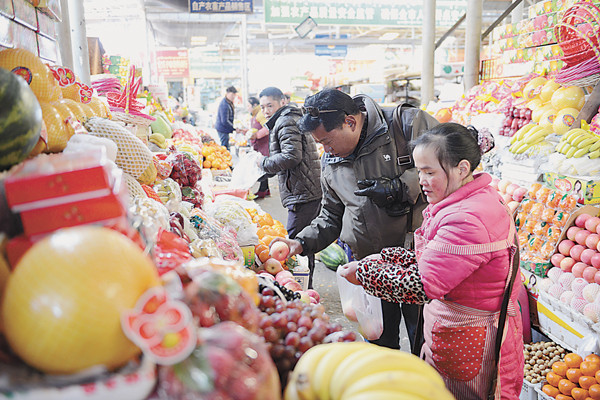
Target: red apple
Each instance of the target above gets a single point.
(272, 266)
(556, 259)
(596, 260)
(266, 275)
(586, 256)
(581, 236)
(519, 194)
(578, 269)
(293, 285)
(564, 247)
(283, 274)
(597, 277)
(592, 224)
(285, 281)
(572, 231)
(580, 220)
(576, 251)
(313, 300)
(314, 294)
(279, 251)
(589, 274)
(502, 184)
(592, 241)
(510, 189)
(566, 264)
(506, 197)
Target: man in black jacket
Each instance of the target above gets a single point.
(293, 156)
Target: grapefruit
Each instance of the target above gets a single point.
(63, 302)
(571, 96)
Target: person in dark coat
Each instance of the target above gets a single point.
(294, 158)
(224, 123)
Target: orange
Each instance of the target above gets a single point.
(206, 164)
(598, 376)
(579, 394)
(589, 368)
(563, 397)
(268, 219)
(261, 232)
(592, 357)
(573, 360)
(565, 386)
(573, 374)
(586, 381)
(263, 255)
(267, 239)
(560, 368)
(260, 247)
(553, 378)
(550, 390)
(594, 391)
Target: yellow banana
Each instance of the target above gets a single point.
(369, 361)
(521, 149)
(581, 152)
(596, 145)
(594, 154)
(580, 138)
(575, 133)
(383, 395)
(560, 146)
(586, 142)
(291, 392)
(571, 151)
(519, 134)
(338, 352)
(405, 382)
(304, 370)
(567, 136)
(515, 146)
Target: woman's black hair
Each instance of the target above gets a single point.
(452, 143)
(253, 101)
(328, 99)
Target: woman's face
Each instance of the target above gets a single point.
(436, 183)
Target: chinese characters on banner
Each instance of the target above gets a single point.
(173, 63)
(217, 6)
(361, 12)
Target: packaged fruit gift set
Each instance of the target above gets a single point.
(541, 219)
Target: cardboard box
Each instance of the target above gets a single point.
(590, 188)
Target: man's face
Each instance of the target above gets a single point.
(339, 142)
(230, 96)
(269, 105)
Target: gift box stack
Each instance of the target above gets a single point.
(63, 190)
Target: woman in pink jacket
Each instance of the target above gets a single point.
(460, 269)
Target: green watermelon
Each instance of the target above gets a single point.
(333, 256)
(20, 119)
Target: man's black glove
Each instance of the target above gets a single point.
(384, 192)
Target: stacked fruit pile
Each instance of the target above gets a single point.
(574, 378)
(216, 156)
(539, 358)
(516, 118)
(363, 371)
(578, 143)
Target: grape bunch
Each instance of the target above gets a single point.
(289, 330)
(287, 293)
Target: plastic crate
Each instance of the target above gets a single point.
(528, 392)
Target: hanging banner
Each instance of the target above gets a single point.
(173, 63)
(403, 13)
(217, 6)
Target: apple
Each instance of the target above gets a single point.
(272, 266)
(576, 251)
(572, 231)
(592, 241)
(313, 301)
(581, 236)
(519, 194)
(279, 251)
(556, 259)
(304, 297)
(281, 275)
(506, 197)
(502, 184)
(587, 254)
(313, 293)
(597, 277)
(564, 247)
(595, 260)
(284, 281)
(592, 224)
(580, 220)
(513, 205)
(589, 274)
(294, 286)
(578, 269)
(510, 189)
(566, 264)
(267, 275)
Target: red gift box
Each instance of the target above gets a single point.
(59, 178)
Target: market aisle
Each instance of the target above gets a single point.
(324, 279)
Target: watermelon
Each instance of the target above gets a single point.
(333, 256)
(20, 119)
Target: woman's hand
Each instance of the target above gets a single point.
(348, 271)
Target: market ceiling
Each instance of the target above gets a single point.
(175, 26)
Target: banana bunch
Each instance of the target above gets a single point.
(158, 140)
(529, 135)
(579, 142)
(361, 371)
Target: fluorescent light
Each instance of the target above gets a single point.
(198, 39)
(389, 36)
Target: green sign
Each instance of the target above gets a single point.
(360, 12)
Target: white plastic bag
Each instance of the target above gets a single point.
(358, 305)
(246, 172)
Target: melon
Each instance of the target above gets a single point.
(333, 256)
(63, 302)
(76, 109)
(31, 68)
(59, 132)
(20, 119)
